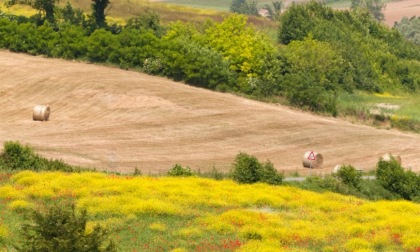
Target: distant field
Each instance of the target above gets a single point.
(401, 111)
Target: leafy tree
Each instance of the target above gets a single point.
(394, 178)
(98, 12)
(72, 42)
(60, 229)
(45, 7)
(148, 19)
(375, 7)
(102, 46)
(350, 176)
(71, 16)
(243, 46)
(186, 59)
(244, 7)
(275, 12)
(409, 28)
(135, 47)
(295, 24)
(178, 171)
(247, 170)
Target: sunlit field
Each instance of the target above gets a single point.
(399, 111)
(197, 214)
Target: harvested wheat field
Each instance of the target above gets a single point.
(117, 120)
(395, 11)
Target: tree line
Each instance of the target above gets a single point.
(319, 51)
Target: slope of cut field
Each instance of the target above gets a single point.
(395, 11)
(117, 120)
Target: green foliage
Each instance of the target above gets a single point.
(327, 183)
(371, 56)
(243, 46)
(72, 43)
(375, 7)
(350, 176)
(216, 174)
(328, 52)
(274, 12)
(244, 7)
(135, 46)
(179, 171)
(247, 170)
(295, 24)
(43, 6)
(137, 172)
(18, 157)
(303, 91)
(270, 175)
(395, 179)
(409, 28)
(147, 19)
(60, 229)
(101, 46)
(185, 59)
(71, 16)
(98, 12)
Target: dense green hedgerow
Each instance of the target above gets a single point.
(319, 54)
(18, 157)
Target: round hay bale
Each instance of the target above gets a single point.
(41, 113)
(312, 159)
(387, 157)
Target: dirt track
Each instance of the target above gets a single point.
(116, 120)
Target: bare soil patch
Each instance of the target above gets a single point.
(395, 11)
(117, 120)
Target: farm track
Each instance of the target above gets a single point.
(117, 120)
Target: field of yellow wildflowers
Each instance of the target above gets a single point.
(197, 214)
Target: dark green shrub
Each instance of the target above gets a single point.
(327, 183)
(247, 170)
(270, 175)
(60, 229)
(137, 172)
(179, 171)
(18, 157)
(395, 179)
(350, 176)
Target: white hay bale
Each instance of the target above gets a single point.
(41, 113)
(387, 157)
(312, 159)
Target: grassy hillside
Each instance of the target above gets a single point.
(196, 214)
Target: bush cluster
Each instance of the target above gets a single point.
(18, 157)
(61, 229)
(247, 170)
(403, 183)
(325, 52)
(179, 171)
(350, 176)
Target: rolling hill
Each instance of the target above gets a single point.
(117, 120)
